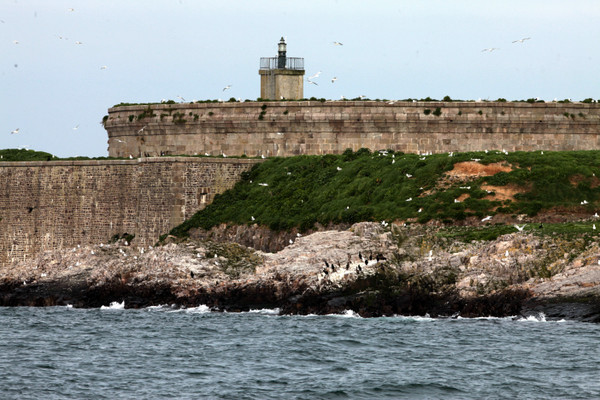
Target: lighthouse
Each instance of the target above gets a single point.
(281, 77)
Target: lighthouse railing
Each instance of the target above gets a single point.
(295, 63)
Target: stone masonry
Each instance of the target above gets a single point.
(287, 128)
(57, 204)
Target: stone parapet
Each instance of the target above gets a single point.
(286, 128)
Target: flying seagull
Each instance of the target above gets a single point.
(226, 87)
(78, 42)
(490, 49)
(103, 67)
(333, 79)
(338, 44)
(76, 127)
(521, 40)
(314, 76)
(15, 131)
(520, 228)
(314, 83)
(486, 218)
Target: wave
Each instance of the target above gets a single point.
(266, 311)
(115, 305)
(541, 317)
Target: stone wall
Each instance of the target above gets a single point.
(312, 127)
(57, 204)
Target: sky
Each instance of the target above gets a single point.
(64, 63)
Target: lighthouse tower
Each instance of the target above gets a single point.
(281, 77)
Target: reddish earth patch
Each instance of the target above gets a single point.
(501, 193)
(577, 179)
(475, 169)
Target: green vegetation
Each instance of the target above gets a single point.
(32, 155)
(437, 112)
(362, 186)
(25, 155)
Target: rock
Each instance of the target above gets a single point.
(466, 279)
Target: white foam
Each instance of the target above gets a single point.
(346, 314)
(115, 305)
(201, 309)
(541, 317)
(267, 311)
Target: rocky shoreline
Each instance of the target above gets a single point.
(368, 268)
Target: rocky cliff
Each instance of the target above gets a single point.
(372, 269)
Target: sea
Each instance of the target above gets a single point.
(195, 353)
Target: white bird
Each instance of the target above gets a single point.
(596, 215)
(103, 67)
(490, 49)
(338, 44)
(486, 218)
(342, 98)
(226, 87)
(430, 255)
(263, 184)
(224, 155)
(420, 210)
(130, 156)
(506, 253)
(76, 127)
(120, 141)
(15, 131)
(70, 9)
(409, 199)
(78, 42)
(362, 96)
(181, 98)
(584, 202)
(279, 133)
(291, 241)
(333, 79)
(314, 83)
(15, 41)
(520, 228)
(206, 154)
(521, 40)
(391, 102)
(594, 226)
(338, 168)
(314, 76)
(143, 127)
(252, 218)
(262, 156)
(456, 200)
(408, 175)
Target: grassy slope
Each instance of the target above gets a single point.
(365, 186)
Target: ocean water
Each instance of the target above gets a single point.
(166, 353)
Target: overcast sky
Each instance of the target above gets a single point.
(161, 49)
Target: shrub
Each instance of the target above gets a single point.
(427, 111)
(437, 112)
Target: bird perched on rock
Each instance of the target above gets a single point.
(520, 228)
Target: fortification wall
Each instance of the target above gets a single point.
(57, 204)
(312, 127)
